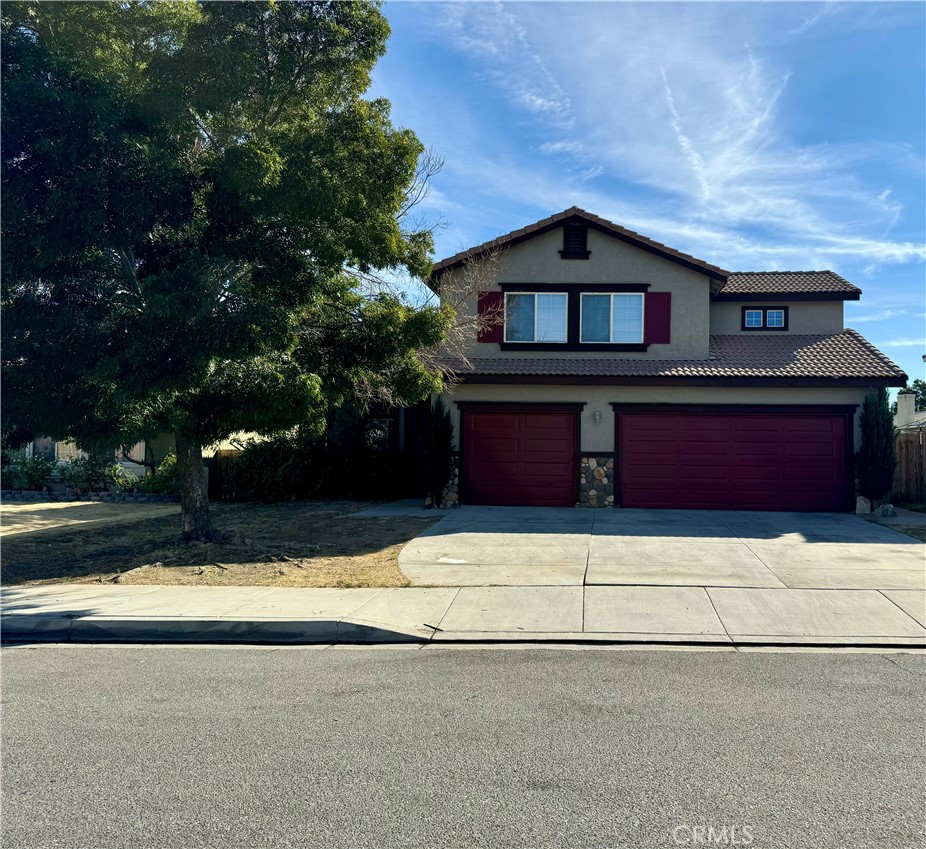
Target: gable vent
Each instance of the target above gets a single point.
(575, 243)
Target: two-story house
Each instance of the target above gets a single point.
(611, 369)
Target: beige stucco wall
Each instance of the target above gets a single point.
(803, 317)
(612, 261)
(600, 436)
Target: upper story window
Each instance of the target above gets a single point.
(612, 318)
(535, 317)
(575, 242)
(765, 318)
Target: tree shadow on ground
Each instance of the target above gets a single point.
(289, 544)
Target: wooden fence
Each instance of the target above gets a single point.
(910, 474)
(219, 468)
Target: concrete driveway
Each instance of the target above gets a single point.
(512, 546)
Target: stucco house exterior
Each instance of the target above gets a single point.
(612, 370)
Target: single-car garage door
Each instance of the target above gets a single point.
(732, 461)
(524, 458)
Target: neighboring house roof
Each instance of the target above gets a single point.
(845, 356)
(778, 283)
(918, 422)
(576, 215)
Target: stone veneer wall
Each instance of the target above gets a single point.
(450, 497)
(596, 481)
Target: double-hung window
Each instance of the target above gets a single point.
(535, 316)
(612, 318)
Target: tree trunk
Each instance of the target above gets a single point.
(194, 498)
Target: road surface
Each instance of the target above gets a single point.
(194, 747)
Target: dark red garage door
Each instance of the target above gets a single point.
(733, 461)
(519, 458)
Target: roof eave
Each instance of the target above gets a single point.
(649, 380)
(787, 296)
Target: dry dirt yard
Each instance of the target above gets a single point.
(295, 544)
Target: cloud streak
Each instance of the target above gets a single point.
(701, 127)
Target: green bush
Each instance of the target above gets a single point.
(163, 479)
(89, 473)
(876, 460)
(352, 459)
(438, 453)
(31, 473)
(125, 480)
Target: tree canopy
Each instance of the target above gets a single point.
(190, 194)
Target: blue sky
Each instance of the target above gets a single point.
(756, 136)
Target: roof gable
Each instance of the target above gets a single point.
(575, 215)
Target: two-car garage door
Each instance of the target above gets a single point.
(724, 460)
(732, 461)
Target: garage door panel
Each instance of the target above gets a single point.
(524, 458)
(732, 461)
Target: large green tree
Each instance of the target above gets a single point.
(191, 193)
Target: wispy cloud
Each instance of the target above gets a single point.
(651, 106)
(591, 173)
(487, 31)
(879, 315)
(823, 11)
(561, 146)
(684, 142)
(904, 342)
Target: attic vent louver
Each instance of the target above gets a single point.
(575, 242)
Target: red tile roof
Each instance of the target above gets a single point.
(841, 355)
(787, 282)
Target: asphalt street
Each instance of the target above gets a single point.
(521, 748)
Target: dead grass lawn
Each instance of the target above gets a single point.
(296, 544)
(918, 531)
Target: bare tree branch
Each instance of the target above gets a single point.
(459, 290)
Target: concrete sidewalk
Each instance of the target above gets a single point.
(616, 614)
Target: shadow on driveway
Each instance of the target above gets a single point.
(789, 528)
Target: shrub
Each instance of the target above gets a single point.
(269, 470)
(353, 458)
(438, 452)
(123, 478)
(31, 473)
(163, 479)
(89, 473)
(876, 460)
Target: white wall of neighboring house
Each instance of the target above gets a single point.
(907, 415)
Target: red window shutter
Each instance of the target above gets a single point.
(492, 304)
(657, 320)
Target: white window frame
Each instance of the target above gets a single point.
(761, 323)
(768, 324)
(536, 341)
(610, 296)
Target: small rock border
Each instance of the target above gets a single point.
(113, 497)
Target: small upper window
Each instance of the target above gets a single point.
(575, 243)
(774, 318)
(535, 317)
(765, 318)
(753, 318)
(613, 318)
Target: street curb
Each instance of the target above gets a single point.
(18, 628)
